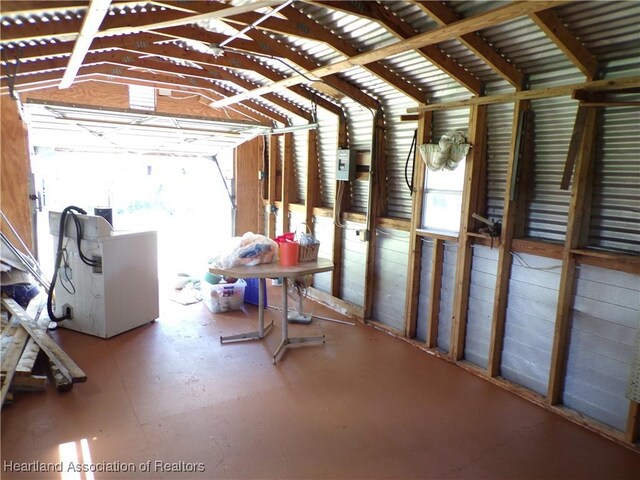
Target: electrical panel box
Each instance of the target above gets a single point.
(346, 167)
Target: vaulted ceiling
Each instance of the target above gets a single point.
(277, 60)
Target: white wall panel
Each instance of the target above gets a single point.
(530, 319)
(392, 257)
(447, 293)
(480, 312)
(323, 231)
(354, 260)
(425, 286)
(605, 320)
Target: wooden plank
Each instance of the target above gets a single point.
(33, 383)
(273, 184)
(250, 211)
(317, 32)
(537, 247)
(526, 175)
(312, 182)
(435, 287)
(471, 24)
(504, 256)
(583, 177)
(337, 304)
(550, 92)
(475, 164)
(376, 208)
(59, 378)
(436, 236)
(377, 12)
(401, 224)
(574, 146)
(340, 205)
(12, 357)
(553, 26)
(414, 263)
(46, 343)
(632, 432)
(27, 359)
(477, 44)
(285, 185)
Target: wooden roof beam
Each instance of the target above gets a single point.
(551, 24)
(377, 12)
(481, 21)
(144, 43)
(158, 80)
(263, 45)
(299, 25)
(443, 15)
(133, 61)
(122, 24)
(338, 86)
(25, 8)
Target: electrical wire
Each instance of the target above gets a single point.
(70, 210)
(406, 163)
(523, 263)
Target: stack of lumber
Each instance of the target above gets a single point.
(22, 339)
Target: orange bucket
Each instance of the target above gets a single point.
(289, 254)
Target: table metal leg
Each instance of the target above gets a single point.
(262, 330)
(285, 327)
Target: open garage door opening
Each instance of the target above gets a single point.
(161, 180)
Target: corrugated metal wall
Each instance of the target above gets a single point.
(360, 125)
(300, 158)
(484, 266)
(392, 257)
(327, 153)
(447, 293)
(606, 317)
(548, 205)
(499, 126)
(530, 320)
(399, 136)
(353, 264)
(615, 215)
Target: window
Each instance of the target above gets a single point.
(442, 203)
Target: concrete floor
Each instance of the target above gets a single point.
(363, 405)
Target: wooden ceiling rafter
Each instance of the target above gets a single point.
(24, 8)
(128, 60)
(297, 24)
(145, 43)
(378, 13)
(551, 24)
(471, 24)
(443, 15)
(159, 80)
(337, 86)
(122, 24)
(265, 46)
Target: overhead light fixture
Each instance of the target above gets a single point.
(295, 128)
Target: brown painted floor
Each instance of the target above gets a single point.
(363, 405)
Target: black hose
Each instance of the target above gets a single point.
(406, 164)
(61, 231)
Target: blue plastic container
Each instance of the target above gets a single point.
(251, 291)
